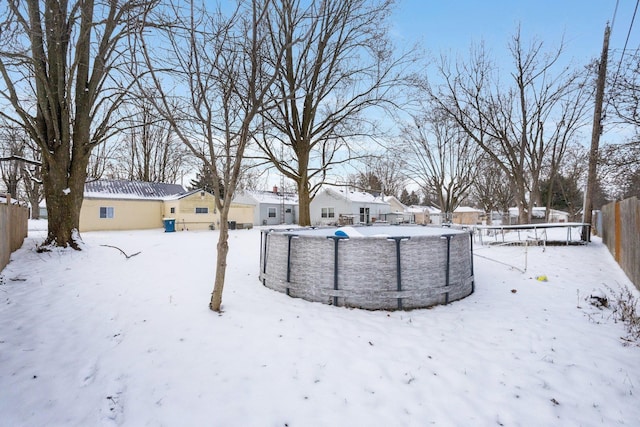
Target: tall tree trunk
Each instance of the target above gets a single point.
(221, 261)
(64, 192)
(549, 201)
(304, 202)
(521, 201)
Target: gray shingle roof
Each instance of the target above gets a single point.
(131, 189)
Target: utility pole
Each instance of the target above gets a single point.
(595, 135)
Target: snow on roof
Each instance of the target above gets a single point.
(186, 194)
(122, 189)
(394, 199)
(463, 209)
(269, 197)
(357, 196)
(419, 209)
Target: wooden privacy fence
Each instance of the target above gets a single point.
(621, 234)
(13, 229)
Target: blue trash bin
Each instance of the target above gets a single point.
(169, 225)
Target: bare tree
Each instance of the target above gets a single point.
(365, 181)
(253, 179)
(575, 162)
(563, 193)
(20, 166)
(148, 150)
(61, 63)
(443, 158)
(102, 161)
(620, 163)
(12, 149)
(221, 78)
(32, 179)
(492, 189)
(619, 166)
(338, 63)
(517, 124)
(380, 174)
(625, 92)
(573, 109)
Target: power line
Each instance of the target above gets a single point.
(624, 49)
(615, 11)
(630, 26)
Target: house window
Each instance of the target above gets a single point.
(106, 212)
(173, 210)
(202, 210)
(272, 212)
(328, 213)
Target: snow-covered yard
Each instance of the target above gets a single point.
(92, 338)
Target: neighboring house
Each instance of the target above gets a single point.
(497, 218)
(196, 210)
(344, 206)
(271, 207)
(132, 205)
(426, 214)
(42, 210)
(400, 213)
(538, 215)
(124, 205)
(466, 215)
(192, 210)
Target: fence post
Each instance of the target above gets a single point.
(618, 233)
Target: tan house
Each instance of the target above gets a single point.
(196, 210)
(466, 215)
(425, 214)
(124, 205)
(131, 205)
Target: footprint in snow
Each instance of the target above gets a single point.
(88, 374)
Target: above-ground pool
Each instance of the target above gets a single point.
(375, 268)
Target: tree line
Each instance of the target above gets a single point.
(149, 89)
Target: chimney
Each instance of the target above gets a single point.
(275, 189)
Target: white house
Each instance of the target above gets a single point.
(271, 207)
(341, 205)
